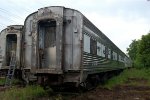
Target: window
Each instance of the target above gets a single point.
(109, 53)
(114, 55)
(103, 50)
(99, 49)
(86, 43)
(93, 47)
(31, 22)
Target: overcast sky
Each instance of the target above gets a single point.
(120, 20)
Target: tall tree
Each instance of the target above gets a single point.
(143, 54)
(132, 50)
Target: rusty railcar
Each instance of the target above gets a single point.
(10, 41)
(62, 46)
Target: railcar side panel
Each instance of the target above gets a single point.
(100, 54)
(28, 59)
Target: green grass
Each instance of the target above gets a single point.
(2, 81)
(14, 82)
(27, 93)
(127, 74)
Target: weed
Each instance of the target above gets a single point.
(2, 81)
(29, 92)
(14, 82)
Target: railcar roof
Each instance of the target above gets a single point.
(10, 26)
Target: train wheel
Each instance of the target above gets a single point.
(91, 82)
(87, 85)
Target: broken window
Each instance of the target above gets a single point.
(47, 36)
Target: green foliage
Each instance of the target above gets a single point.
(132, 50)
(143, 56)
(129, 74)
(139, 51)
(29, 92)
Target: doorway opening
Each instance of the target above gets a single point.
(47, 43)
(11, 46)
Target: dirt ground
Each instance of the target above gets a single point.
(117, 93)
(2, 88)
(128, 91)
(140, 91)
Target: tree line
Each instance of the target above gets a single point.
(139, 51)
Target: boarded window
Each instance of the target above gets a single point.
(99, 49)
(93, 47)
(103, 50)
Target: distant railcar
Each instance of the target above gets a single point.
(62, 46)
(10, 41)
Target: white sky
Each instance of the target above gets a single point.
(120, 20)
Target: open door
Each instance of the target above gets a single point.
(47, 44)
(11, 46)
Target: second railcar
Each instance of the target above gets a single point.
(10, 41)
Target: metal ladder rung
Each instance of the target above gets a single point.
(11, 70)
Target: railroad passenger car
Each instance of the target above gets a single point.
(62, 46)
(10, 41)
